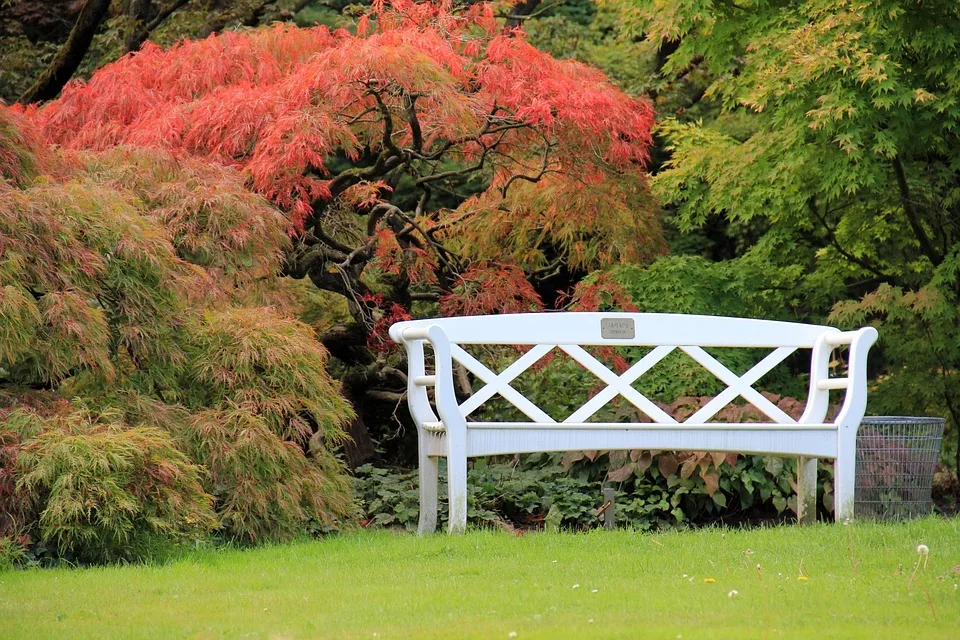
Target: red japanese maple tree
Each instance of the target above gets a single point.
(433, 157)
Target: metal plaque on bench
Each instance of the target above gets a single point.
(617, 328)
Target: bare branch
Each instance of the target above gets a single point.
(71, 54)
(913, 217)
(410, 107)
(545, 164)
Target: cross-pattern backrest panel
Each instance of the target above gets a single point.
(621, 385)
(652, 329)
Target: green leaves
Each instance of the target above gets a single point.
(145, 289)
(104, 490)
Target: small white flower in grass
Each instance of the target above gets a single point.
(590, 621)
(684, 576)
(733, 593)
(576, 586)
(924, 552)
(594, 590)
(512, 634)
(554, 562)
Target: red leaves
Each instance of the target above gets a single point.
(601, 293)
(279, 102)
(379, 338)
(491, 288)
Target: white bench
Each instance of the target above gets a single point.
(451, 435)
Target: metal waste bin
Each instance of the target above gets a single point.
(896, 457)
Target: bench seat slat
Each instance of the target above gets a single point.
(639, 426)
(817, 443)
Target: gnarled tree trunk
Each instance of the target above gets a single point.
(71, 54)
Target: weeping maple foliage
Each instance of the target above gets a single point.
(140, 294)
(372, 141)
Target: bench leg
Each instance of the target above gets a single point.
(457, 488)
(428, 492)
(844, 480)
(806, 490)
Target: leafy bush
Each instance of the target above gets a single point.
(498, 495)
(106, 491)
(544, 490)
(141, 291)
(13, 552)
(265, 487)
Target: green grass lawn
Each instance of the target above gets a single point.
(696, 584)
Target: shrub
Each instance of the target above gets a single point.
(541, 491)
(107, 491)
(265, 487)
(146, 289)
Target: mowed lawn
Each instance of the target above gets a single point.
(859, 582)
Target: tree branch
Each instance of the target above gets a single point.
(71, 54)
(912, 216)
(144, 27)
(410, 107)
(832, 237)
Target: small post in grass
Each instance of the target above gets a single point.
(607, 509)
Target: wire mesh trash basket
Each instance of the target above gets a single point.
(896, 457)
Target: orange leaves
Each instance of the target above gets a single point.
(364, 194)
(592, 223)
(281, 103)
(601, 293)
(572, 99)
(491, 288)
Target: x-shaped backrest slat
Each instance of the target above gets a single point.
(739, 385)
(501, 383)
(618, 384)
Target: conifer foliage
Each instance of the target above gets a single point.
(140, 306)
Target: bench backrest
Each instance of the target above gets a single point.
(570, 332)
(649, 329)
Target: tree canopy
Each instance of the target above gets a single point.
(432, 158)
(836, 139)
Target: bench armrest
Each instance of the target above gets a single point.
(413, 339)
(855, 384)
(855, 401)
